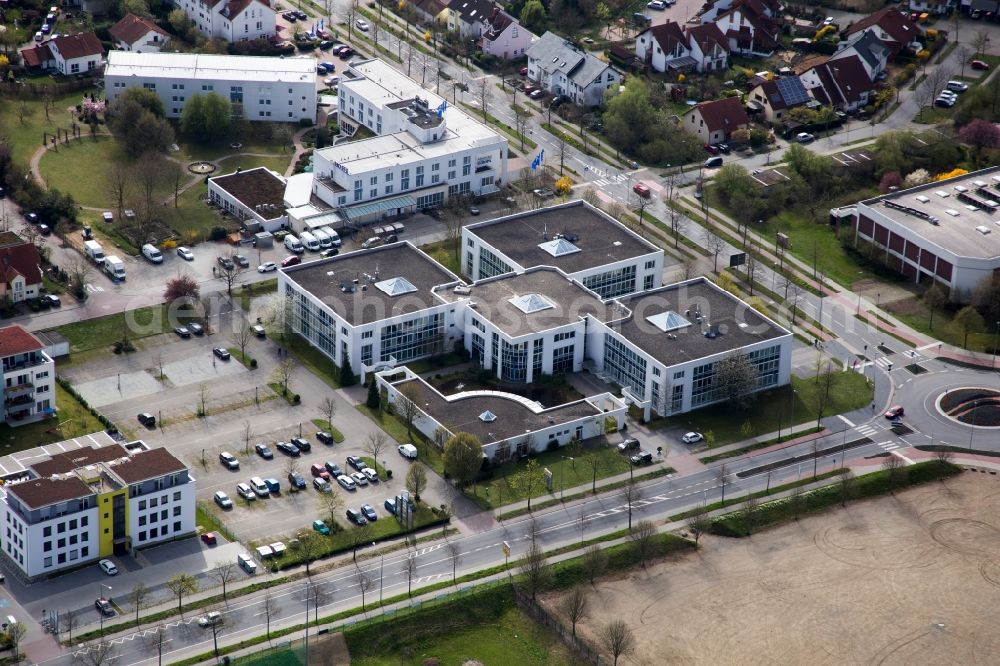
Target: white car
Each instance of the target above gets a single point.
(346, 482)
(804, 137)
(957, 86)
(692, 438)
(370, 474)
(949, 94)
(222, 499)
(360, 478)
(108, 567)
(185, 253)
(362, 25)
(267, 267)
(210, 618)
(657, 4)
(246, 492)
(828, 21)
(331, 81)
(407, 451)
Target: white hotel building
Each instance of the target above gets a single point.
(269, 89)
(91, 497)
(423, 150)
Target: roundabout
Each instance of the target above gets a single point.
(974, 406)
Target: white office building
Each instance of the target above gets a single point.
(88, 498)
(269, 89)
(582, 241)
(231, 20)
(423, 151)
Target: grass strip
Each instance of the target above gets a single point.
(865, 320)
(759, 445)
(323, 424)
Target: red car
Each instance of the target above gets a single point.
(320, 471)
(712, 150)
(291, 261)
(209, 538)
(642, 190)
(895, 412)
(523, 71)
(979, 64)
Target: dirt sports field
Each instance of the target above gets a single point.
(912, 579)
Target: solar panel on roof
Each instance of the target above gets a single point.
(793, 91)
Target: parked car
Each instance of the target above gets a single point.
(293, 260)
(356, 517)
(657, 4)
(222, 499)
(723, 148)
(895, 412)
(356, 462)
(246, 492)
(221, 352)
(183, 331)
(229, 461)
(197, 329)
(390, 505)
(957, 86)
(642, 190)
(226, 263)
(241, 261)
(51, 299)
(296, 481)
(264, 451)
(345, 53)
(362, 25)
(331, 81)
(147, 419)
(628, 445)
(536, 94)
(544, 192)
(346, 482)
(944, 102)
(267, 267)
(407, 451)
(324, 437)
(370, 474)
(321, 527)
(804, 137)
(322, 485)
(711, 149)
(329, 252)
(326, 45)
(319, 470)
(302, 444)
(713, 162)
(209, 538)
(108, 567)
(333, 468)
(642, 458)
(692, 438)
(359, 478)
(980, 65)
(369, 512)
(185, 253)
(323, 68)
(104, 607)
(288, 449)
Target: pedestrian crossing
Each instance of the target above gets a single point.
(609, 180)
(93, 288)
(888, 447)
(867, 430)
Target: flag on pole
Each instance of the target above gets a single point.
(441, 109)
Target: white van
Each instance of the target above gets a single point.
(259, 487)
(322, 237)
(150, 252)
(292, 244)
(334, 237)
(114, 267)
(309, 241)
(94, 251)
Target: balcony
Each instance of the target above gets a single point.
(24, 361)
(19, 389)
(25, 399)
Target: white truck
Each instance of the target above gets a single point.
(114, 267)
(94, 251)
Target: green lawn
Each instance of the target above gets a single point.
(428, 453)
(277, 163)
(73, 420)
(915, 313)
(311, 358)
(487, 627)
(280, 657)
(194, 150)
(102, 332)
(443, 252)
(25, 137)
(773, 408)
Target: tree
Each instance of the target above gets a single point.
(206, 117)
(98, 653)
(118, 186)
(643, 539)
(216, 627)
(890, 180)
(715, 245)
(846, 485)
(618, 639)
(576, 605)
(408, 568)
(521, 116)
(481, 90)
(733, 180)
(374, 400)
(155, 641)
(935, 297)
(749, 511)
(736, 379)
(320, 593)
(311, 547)
(136, 120)
(893, 466)
(69, 620)
(78, 273)
(225, 573)
(535, 570)
(180, 585)
(242, 336)
(970, 321)
(463, 457)
(282, 373)
(533, 15)
(229, 273)
(364, 583)
(630, 494)
(595, 562)
(698, 522)
(455, 555)
(528, 480)
(407, 405)
(595, 464)
(980, 134)
(943, 457)
(332, 503)
(416, 480)
(137, 597)
(346, 374)
(375, 443)
(721, 474)
(269, 609)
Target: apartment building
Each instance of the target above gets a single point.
(29, 377)
(231, 20)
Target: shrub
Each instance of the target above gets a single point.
(218, 233)
(253, 363)
(296, 399)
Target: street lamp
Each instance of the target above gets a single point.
(995, 336)
(101, 594)
(791, 422)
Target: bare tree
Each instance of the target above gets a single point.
(521, 116)
(561, 150)
(715, 245)
(796, 500)
(535, 570)
(595, 465)
(943, 457)
(750, 506)
(455, 555)
(137, 597)
(79, 272)
(203, 399)
(148, 174)
(618, 639)
(332, 504)
(155, 641)
(979, 42)
(924, 93)
(630, 494)
(320, 594)
(595, 562)
(215, 625)
(846, 485)
(180, 585)
(698, 522)
(97, 653)
(643, 539)
(375, 443)
(674, 217)
(224, 573)
(576, 605)
(364, 582)
(241, 337)
(328, 408)
(416, 480)
(292, 466)
(720, 476)
(69, 620)
(229, 272)
(269, 608)
(893, 465)
(118, 186)
(408, 568)
(311, 548)
(282, 373)
(481, 89)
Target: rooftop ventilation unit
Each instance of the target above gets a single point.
(910, 211)
(462, 289)
(983, 229)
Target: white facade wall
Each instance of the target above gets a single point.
(256, 20)
(170, 512)
(25, 544)
(75, 65)
(42, 380)
(569, 334)
(151, 42)
(510, 44)
(232, 205)
(646, 43)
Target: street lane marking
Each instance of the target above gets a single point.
(846, 420)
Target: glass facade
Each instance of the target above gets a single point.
(624, 366)
(514, 361)
(490, 264)
(613, 283)
(412, 339)
(537, 351)
(766, 360)
(562, 359)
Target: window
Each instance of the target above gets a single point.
(164, 514)
(565, 335)
(656, 372)
(142, 520)
(514, 361)
(47, 562)
(365, 335)
(650, 265)
(61, 543)
(537, 351)
(177, 526)
(177, 496)
(491, 265)
(373, 181)
(72, 539)
(48, 547)
(142, 535)
(420, 177)
(416, 338)
(72, 524)
(434, 167)
(142, 505)
(83, 521)
(612, 283)
(177, 511)
(404, 179)
(451, 163)
(451, 175)
(84, 551)
(153, 502)
(647, 282)
(562, 359)
(153, 533)
(61, 528)
(46, 531)
(624, 366)
(61, 559)
(435, 178)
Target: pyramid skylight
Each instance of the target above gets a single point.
(530, 303)
(559, 247)
(396, 286)
(668, 321)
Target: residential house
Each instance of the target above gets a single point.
(936, 7)
(712, 9)
(777, 96)
(503, 37)
(708, 47)
(28, 377)
(67, 54)
(842, 83)
(430, 11)
(872, 51)
(231, 20)
(20, 269)
(137, 34)
(702, 48)
(891, 26)
(750, 27)
(715, 121)
(562, 69)
(468, 17)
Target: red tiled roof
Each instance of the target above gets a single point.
(849, 77)
(16, 340)
(78, 46)
(20, 259)
(668, 35)
(891, 20)
(497, 23)
(706, 36)
(132, 28)
(36, 56)
(150, 464)
(723, 114)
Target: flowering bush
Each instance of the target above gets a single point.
(563, 185)
(954, 173)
